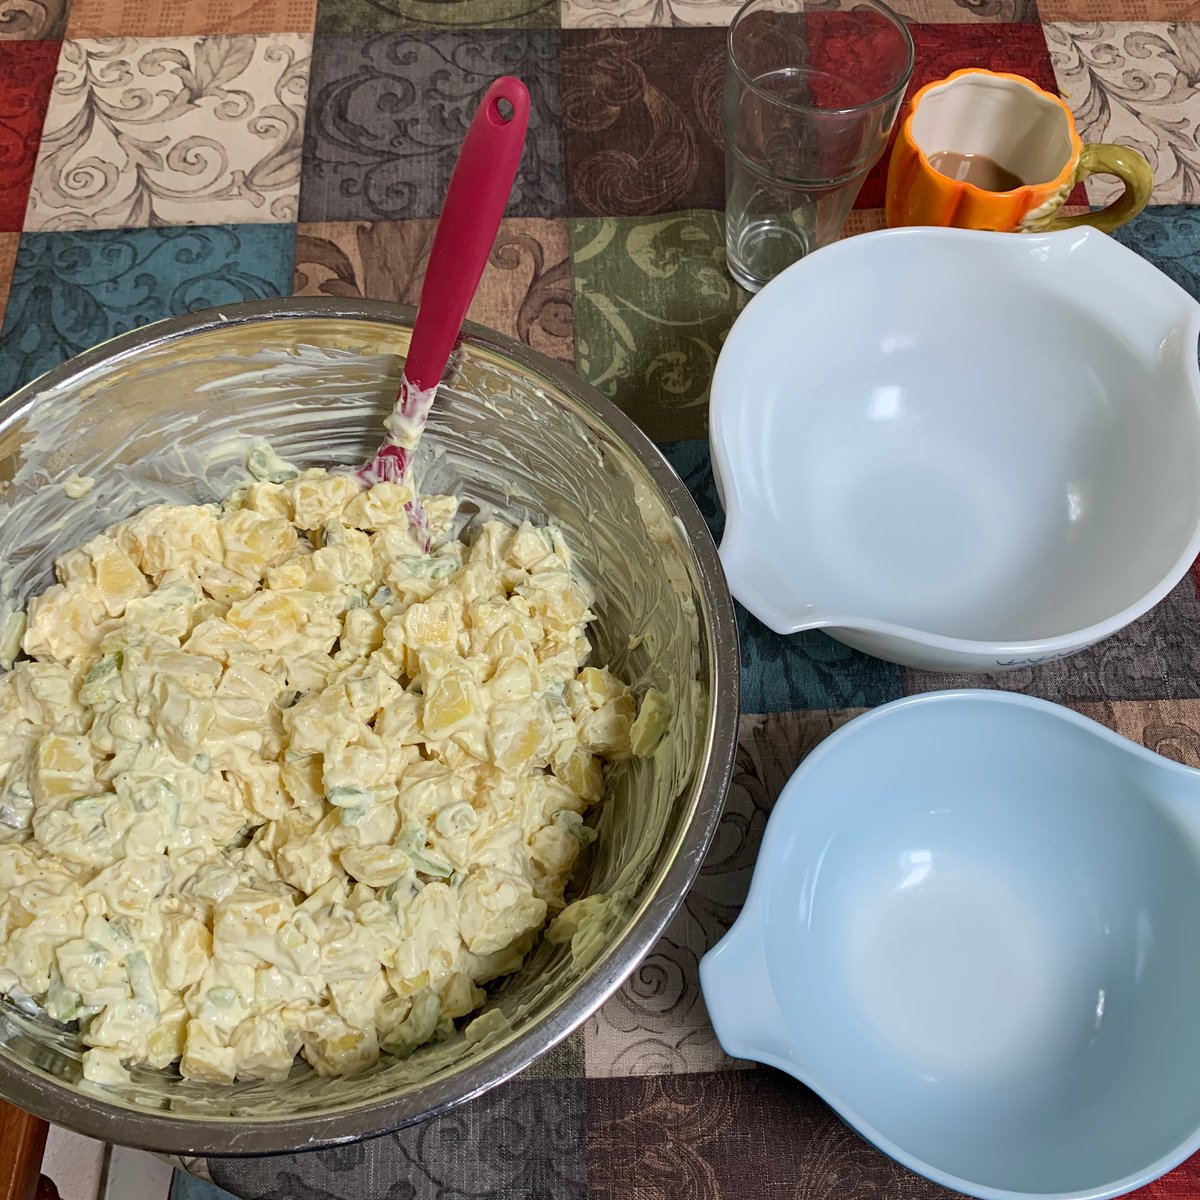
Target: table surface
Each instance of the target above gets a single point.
(158, 156)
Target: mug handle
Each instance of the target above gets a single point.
(1130, 167)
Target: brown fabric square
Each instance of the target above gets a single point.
(33, 20)
(731, 1135)
(525, 291)
(8, 258)
(643, 120)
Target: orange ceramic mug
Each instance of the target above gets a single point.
(982, 150)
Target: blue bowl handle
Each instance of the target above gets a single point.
(740, 1000)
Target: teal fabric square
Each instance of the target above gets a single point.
(72, 289)
(786, 673)
(1169, 236)
(189, 1187)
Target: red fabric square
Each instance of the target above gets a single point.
(26, 76)
(1183, 1183)
(941, 49)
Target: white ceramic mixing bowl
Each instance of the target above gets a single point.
(960, 450)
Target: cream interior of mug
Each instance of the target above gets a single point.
(173, 423)
(1016, 126)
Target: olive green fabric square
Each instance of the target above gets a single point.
(564, 1061)
(653, 301)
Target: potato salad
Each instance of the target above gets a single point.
(277, 779)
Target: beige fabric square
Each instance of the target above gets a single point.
(1135, 84)
(656, 1024)
(606, 14)
(178, 131)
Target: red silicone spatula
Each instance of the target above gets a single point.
(478, 193)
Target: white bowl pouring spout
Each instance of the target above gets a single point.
(960, 450)
(971, 929)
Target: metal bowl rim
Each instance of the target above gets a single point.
(86, 1113)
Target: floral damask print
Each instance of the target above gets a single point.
(989, 11)
(26, 77)
(1135, 85)
(290, 1185)
(944, 47)
(653, 301)
(659, 1130)
(525, 1138)
(32, 19)
(525, 291)
(729, 1136)
(1155, 658)
(71, 290)
(1178, 740)
(387, 116)
(172, 132)
(609, 14)
(838, 1162)
(1169, 236)
(656, 1024)
(643, 109)
(1168, 727)
(781, 673)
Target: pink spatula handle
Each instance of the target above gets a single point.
(475, 202)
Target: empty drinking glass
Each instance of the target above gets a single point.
(812, 90)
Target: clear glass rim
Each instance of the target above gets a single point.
(877, 6)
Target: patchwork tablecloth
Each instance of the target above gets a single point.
(158, 156)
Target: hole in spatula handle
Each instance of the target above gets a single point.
(503, 111)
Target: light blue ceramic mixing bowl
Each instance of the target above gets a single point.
(974, 929)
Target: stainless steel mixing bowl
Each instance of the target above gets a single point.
(166, 412)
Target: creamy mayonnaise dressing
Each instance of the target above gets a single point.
(406, 422)
(275, 780)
